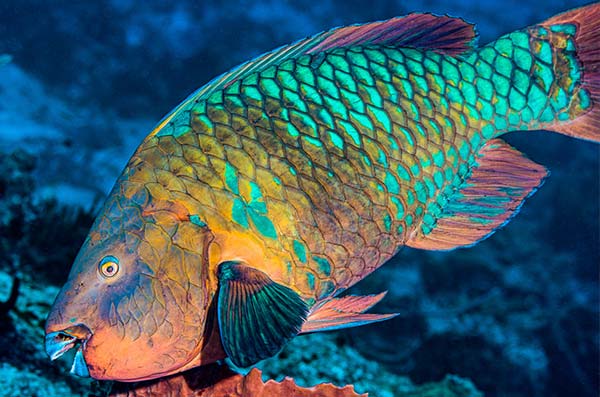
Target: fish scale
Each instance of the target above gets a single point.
(313, 136)
(283, 182)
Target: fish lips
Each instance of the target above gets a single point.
(59, 342)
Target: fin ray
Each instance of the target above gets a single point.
(587, 47)
(256, 315)
(443, 34)
(348, 311)
(494, 192)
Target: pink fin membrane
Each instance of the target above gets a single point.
(587, 43)
(348, 311)
(494, 192)
(442, 34)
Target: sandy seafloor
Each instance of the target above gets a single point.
(517, 315)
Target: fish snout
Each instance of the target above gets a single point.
(59, 342)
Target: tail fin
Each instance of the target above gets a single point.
(585, 104)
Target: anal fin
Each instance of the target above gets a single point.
(348, 311)
(257, 316)
(493, 192)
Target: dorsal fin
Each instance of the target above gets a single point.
(441, 34)
(427, 31)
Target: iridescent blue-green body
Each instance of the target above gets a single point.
(372, 142)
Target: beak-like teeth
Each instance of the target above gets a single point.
(79, 366)
(57, 343)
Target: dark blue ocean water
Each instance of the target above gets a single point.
(84, 81)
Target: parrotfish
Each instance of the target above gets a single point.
(244, 214)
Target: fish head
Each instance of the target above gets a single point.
(136, 301)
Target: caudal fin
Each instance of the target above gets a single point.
(586, 103)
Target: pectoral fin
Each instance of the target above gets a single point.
(257, 316)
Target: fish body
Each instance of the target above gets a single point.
(280, 184)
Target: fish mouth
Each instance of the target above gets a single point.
(59, 342)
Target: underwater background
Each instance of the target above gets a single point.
(83, 82)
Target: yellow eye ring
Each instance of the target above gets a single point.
(108, 266)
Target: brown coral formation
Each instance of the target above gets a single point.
(219, 381)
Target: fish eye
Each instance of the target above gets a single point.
(108, 266)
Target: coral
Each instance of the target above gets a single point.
(10, 303)
(325, 357)
(328, 357)
(450, 386)
(14, 382)
(219, 381)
